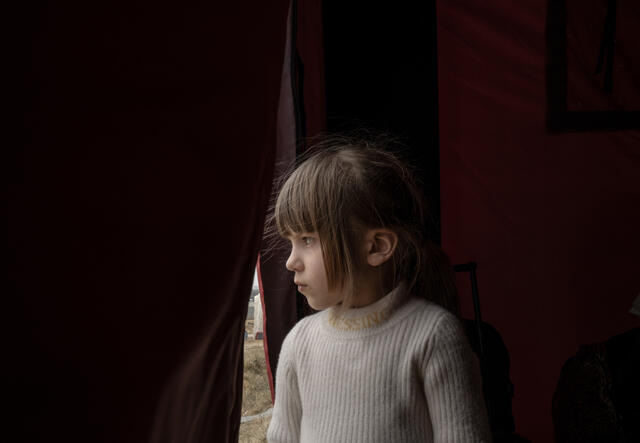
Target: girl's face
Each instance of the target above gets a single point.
(306, 260)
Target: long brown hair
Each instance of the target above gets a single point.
(345, 185)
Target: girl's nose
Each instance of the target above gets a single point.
(293, 262)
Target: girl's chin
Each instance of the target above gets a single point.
(315, 306)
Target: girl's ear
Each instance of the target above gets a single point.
(381, 244)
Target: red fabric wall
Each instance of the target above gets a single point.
(136, 207)
(551, 219)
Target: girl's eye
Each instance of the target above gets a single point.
(307, 240)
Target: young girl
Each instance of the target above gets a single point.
(385, 359)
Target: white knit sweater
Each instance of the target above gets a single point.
(394, 371)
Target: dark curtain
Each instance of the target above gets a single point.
(301, 116)
(136, 205)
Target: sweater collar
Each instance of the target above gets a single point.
(370, 316)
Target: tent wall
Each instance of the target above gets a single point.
(136, 205)
(551, 219)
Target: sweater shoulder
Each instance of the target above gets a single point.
(430, 313)
(303, 327)
(433, 327)
(307, 323)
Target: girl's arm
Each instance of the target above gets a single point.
(453, 386)
(287, 410)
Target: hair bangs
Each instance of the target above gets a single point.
(297, 207)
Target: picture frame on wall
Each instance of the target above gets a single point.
(592, 65)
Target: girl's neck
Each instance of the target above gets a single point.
(371, 288)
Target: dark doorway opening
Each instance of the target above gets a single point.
(381, 73)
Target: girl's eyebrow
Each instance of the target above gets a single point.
(306, 234)
(298, 235)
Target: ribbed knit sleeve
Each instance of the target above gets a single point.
(453, 387)
(287, 410)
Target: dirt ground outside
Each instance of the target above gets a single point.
(256, 395)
